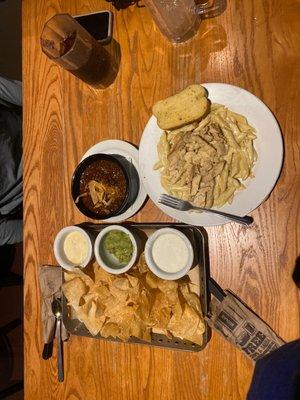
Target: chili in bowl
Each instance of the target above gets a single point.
(100, 187)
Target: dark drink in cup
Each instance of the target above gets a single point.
(67, 43)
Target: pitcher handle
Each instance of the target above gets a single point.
(204, 10)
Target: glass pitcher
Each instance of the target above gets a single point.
(179, 20)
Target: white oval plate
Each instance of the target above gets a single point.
(128, 151)
(268, 144)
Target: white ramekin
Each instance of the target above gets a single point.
(99, 251)
(59, 251)
(154, 267)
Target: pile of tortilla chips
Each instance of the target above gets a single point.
(134, 304)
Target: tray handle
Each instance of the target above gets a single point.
(215, 289)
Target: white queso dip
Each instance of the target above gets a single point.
(170, 252)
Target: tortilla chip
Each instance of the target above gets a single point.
(101, 276)
(146, 335)
(102, 292)
(137, 327)
(134, 304)
(89, 315)
(121, 283)
(177, 311)
(124, 333)
(187, 325)
(144, 306)
(172, 297)
(194, 301)
(152, 280)
(121, 295)
(197, 336)
(133, 295)
(112, 305)
(161, 312)
(133, 280)
(88, 298)
(141, 265)
(86, 278)
(184, 290)
(110, 329)
(68, 276)
(124, 314)
(166, 286)
(73, 290)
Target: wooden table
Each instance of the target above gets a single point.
(252, 45)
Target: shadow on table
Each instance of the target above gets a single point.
(121, 4)
(296, 273)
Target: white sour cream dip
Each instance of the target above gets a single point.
(170, 252)
(76, 247)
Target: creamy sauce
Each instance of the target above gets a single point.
(76, 247)
(170, 252)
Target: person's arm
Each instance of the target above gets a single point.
(11, 91)
(277, 375)
(11, 231)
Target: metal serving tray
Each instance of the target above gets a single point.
(199, 275)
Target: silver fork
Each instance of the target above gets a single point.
(182, 205)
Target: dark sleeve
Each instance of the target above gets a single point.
(11, 231)
(11, 91)
(277, 375)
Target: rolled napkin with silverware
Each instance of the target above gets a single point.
(50, 278)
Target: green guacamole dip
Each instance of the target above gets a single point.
(119, 244)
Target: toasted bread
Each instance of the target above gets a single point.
(185, 107)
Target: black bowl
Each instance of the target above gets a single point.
(75, 186)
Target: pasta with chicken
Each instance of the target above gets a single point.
(206, 162)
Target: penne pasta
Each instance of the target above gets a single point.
(206, 162)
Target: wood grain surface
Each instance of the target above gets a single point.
(254, 45)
